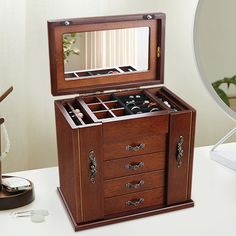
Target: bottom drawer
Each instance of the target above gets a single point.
(134, 201)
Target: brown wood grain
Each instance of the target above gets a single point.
(115, 187)
(153, 143)
(128, 129)
(56, 29)
(118, 204)
(68, 164)
(166, 187)
(191, 153)
(177, 182)
(118, 168)
(90, 139)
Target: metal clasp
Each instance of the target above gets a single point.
(92, 166)
(179, 151)
(135, 148)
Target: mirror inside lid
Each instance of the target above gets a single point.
(105, 53)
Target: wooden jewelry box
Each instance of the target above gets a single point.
(125, 142)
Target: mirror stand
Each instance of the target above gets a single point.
(227, 154)
(10, 200)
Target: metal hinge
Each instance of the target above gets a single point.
(158, 52)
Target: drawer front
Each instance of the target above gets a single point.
(134, 165)
(135, 146)
(126, 130)
(134, 201)
(134, 183)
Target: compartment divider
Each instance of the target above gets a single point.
(168, 99)
(155, 99)
(122, 104)
(113, 114)
(86, 109)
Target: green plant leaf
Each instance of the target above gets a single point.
(222, 95)
(68, 42)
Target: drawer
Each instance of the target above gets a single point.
(135, 146)
(134, 183)
(134, 165)
(129, 129)
(134, 201)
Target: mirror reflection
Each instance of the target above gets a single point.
(108, 52)
(216, 47)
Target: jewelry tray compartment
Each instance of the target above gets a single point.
(97, 108)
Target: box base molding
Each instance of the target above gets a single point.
(116, 218)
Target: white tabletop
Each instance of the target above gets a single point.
(214, 193)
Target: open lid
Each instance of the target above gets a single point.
(105, 53)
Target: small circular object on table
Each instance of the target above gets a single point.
(14, 200)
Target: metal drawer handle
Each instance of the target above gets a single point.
(134, 165)
(135, 185)
(180, 151)
(135, 148)
(135, 202)
(92, 166)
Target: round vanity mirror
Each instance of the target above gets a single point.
(215, 50)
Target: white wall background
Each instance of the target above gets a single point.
(217, 40)
(24, 64)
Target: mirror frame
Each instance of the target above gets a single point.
(200, 67)
(154, 75)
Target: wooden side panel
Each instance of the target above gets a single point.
(194, 113)
(178, 177)
(67, 147)
(92, 193)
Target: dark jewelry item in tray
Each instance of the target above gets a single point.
(137, 103)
